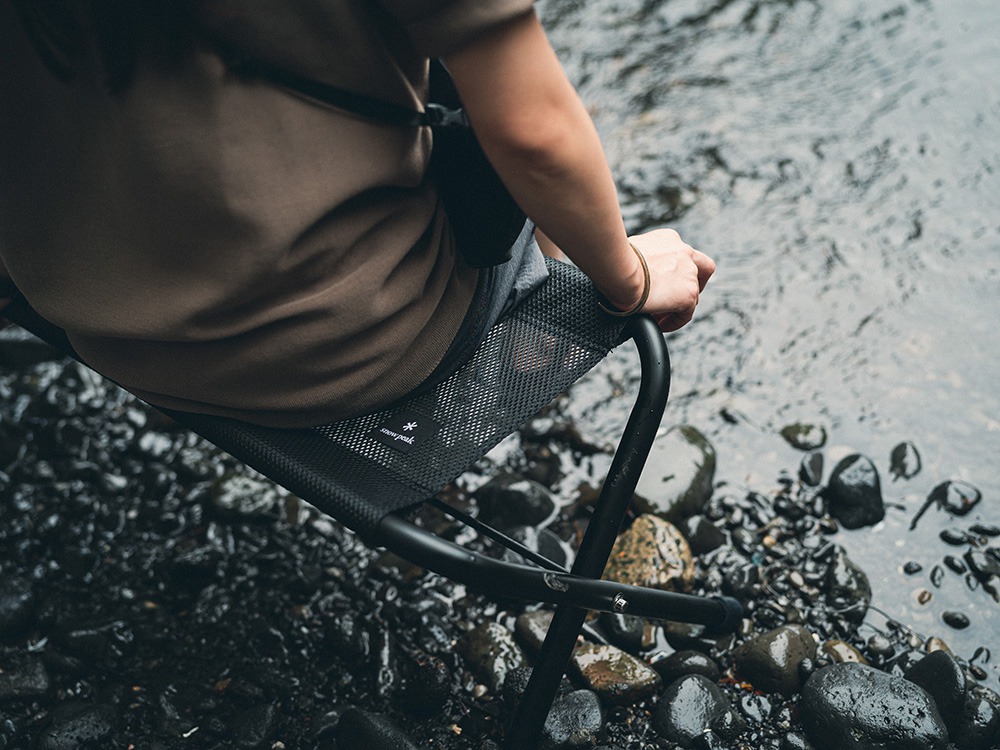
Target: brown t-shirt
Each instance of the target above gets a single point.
(219, 245)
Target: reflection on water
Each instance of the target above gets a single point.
(841, 161)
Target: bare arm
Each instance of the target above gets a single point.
(543, 144)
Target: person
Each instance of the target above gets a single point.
(221, 245)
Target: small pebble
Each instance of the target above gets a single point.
(953, 537)
(956, 620)
(912, 568)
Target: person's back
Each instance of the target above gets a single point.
(219, 244)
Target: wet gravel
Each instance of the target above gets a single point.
(156, 594)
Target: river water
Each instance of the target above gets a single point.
(841, 162)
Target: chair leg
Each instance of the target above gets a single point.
(633, 449)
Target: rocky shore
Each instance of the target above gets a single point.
(156, 594)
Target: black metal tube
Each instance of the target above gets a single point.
(633, 449)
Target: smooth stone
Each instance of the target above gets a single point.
(940, 674)
(624, 631)
(76, 725)
(955, 620)
(427, 685)
(531, 628)
(22, 677)
(543, 541)
(811, 469)
(679, 474)
(573, 721)
(979, 727)
(364, 730)
(683, 663)
(770, 661)
(615, 676)
(702, 535)
(651, 553)
(795, 741)
(912, 568)
(491, 652)
(955, 497)
(904, 461)
(805, 437)
(854, 707)
(240, 495)
(841, 652)
(847, 588)
(253, 727)
(691, 706)
(854, 493)
(17, 601)
(510, 500)
(984, 566)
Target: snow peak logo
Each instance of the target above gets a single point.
(404, 431)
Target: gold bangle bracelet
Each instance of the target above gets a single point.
(645, 291)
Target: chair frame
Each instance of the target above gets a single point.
(574, 592)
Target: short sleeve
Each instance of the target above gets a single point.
(438, 27)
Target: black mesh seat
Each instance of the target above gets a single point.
(366, 472)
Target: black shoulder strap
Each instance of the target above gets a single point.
(369, 107)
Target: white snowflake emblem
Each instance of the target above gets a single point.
(409, 426)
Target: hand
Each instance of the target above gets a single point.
(677, 274)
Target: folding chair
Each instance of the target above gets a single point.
(370, 471)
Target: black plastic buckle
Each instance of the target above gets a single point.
(439, 116)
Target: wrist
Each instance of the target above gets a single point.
(634, 291)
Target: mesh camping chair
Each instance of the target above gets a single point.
(369, 472)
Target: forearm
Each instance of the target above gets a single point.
(543, 144)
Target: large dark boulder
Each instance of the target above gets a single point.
(855, 707)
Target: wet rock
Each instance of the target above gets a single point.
(17, 602)
(531, 628)
(22, 677)
(955, 620)
(811, 469)
(841, 652)
(624, 631)
(904, 461)
(573, 721)
(805, 437)
(854, 494)
(426, 685)
(984, 566)
(651, 552)
(491, 652)
(770, 661)
(691, 706)
(702, 535)
(854, 707)
(912, 568)
(614, 675)
(101, 643)
(880, 648)
(953, 537)
(795, 741)
(940, 674)
(847, 588)
(979, 726)
(77, 725)
(682, 663)
(243, 495)
(510, 500)
(955, 497)
(253, 726)
(677, 480)
(366, 730)
(542, 541)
